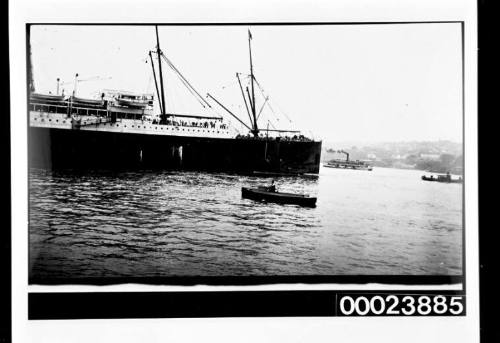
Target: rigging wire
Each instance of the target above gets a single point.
(262, 107)
(188, 85)
(266, 102)
(269, 104)
(183, 80)
(188, 88)
(205, 104)
(157, 101)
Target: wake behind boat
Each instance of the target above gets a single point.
(269, 193)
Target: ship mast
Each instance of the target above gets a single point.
(255, 129)
(156, 82)
(158, 51)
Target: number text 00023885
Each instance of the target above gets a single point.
(400, 305)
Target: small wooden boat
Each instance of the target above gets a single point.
(268, 194)
(442, 178)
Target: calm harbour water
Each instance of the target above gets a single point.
(146, 224)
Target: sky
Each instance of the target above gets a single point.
(365, 83)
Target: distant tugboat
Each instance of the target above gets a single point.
(347, 164)
(442, 178)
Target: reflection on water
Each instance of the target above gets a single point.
(148, 224)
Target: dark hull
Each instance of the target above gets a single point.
(281, 198)
(80, 149)
(425, 178)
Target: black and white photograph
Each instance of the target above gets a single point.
(163, 151)
(160, 151)
(244, 172)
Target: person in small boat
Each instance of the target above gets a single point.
(272, 188)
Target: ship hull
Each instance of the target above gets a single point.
(53, 148)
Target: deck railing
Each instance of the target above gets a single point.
(111, 116)
(68, 109)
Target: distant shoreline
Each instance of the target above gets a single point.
(430, 156)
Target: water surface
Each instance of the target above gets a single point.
(149, 224)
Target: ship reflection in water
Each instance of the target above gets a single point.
(160, 224)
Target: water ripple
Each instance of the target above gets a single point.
(167, 223)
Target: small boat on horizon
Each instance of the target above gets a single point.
(446, 178)
(347, 163)
(269, 193)
(340, 164)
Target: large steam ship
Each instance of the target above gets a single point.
(119, 129)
